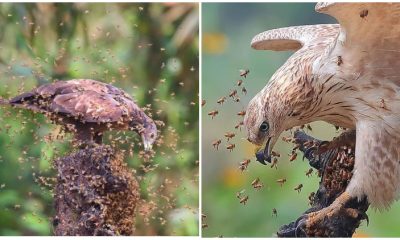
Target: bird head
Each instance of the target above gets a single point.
(148, 132)
(264, 122)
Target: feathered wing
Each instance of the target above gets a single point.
(295, 38)
(84, 99)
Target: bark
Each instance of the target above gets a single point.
(95, 194)
(335, 169)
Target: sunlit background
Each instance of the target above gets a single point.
(227, 30)
(148, 50)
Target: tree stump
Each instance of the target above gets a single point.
(95, 193)
(335, 168)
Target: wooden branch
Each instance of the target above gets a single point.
(335, 169)
(95, 194)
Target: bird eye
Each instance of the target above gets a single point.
(264, 127)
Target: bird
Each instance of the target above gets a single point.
(88, 108)
(346, 74)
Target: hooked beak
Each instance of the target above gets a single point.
(147, 145)
(264, 155)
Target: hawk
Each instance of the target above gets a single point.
(88, 108)
(346, 74)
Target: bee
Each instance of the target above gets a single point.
(275, 154)
(239, 82)
(382, 103)
(233, 93)
(274, 163)
(229, 135)
(364, 13)
(216, 143)
(230, 147)
(311, 198)
(239, 194)
(244, 200)
(293, 156)
(241, 113)
(308, 143)
(287, 139)
(281, 181)
(244, 164)
(221, 100)
(244, 72)
(257, 184)
(204, 225)
(309, 127)
(238, 125)
(203, 102)
(309, 172)
(237, 99)
(274, 212)
(298, 188)
(213, 114)
(244, 90)
(203, 216)
(339, 60)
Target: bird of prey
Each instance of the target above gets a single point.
(88, 108)
(346, 74)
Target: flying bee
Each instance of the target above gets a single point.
(293, 156)
(233, 93)
(364, 13)
(275, 154)
(309, 127)
(241, 113)
(230, 147)
(237, 99)
(221, 100)
(216, 143)
(213, 114)
(257, 184)
(204, 225)
(281, 181)
(239, 194)
(244, 72)
(309, 172)
(229, 135)
(244, 90)
(244, 164)
(238, 125)
(203, 216)
(239, 82)
(298, 188)
(244, 200)
(203, 102)
(287, 139)
(274, 163)
(274, 212)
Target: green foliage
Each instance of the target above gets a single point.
(150, 51)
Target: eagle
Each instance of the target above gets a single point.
(88, 108)
(346, 74)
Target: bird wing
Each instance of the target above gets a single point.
(368, 43)
(91, 106)
(295, 38)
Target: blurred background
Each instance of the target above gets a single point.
(148, 50)
(227, 29)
